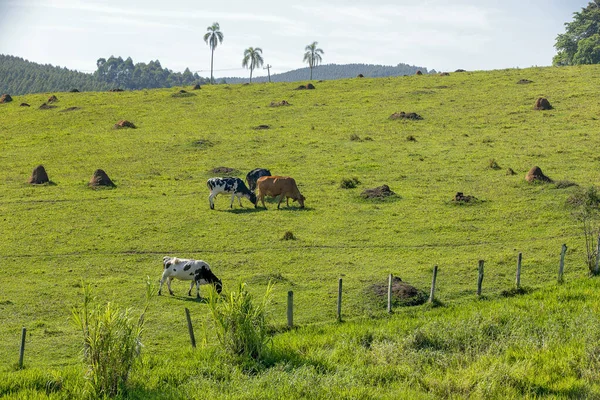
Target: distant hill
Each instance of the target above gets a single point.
(19, 76)
(337, 71)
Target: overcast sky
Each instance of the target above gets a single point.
(436, 34)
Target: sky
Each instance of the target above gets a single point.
(436, 34)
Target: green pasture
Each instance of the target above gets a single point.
(59, 236)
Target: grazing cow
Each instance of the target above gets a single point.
(196, 271)
(233, 186)
(253, 176)
(282, 186)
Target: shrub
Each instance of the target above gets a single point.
(349, 183)
(411, 138)
(111, 343)
(355, 138)
(288, 236)
(240, 324)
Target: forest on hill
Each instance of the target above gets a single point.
(19, 76)
(337, 71)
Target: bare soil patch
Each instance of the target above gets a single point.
(279, 103)
(403, 294)
(224, 170)
(535, 174)
(70, 109)
(124, 124)
(523, 81)
(46, 107)
(379, 192)
(403, 115)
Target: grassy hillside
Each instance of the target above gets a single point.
(55, 236)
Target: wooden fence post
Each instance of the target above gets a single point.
(432, 292)
(389, 305)
(190, 328)
(518, 280)
(290, 309)
(480, 278)
(339, 301)
(22, 350)
(561, 267)
(597, 269)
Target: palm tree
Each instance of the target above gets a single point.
(252, 59)
(313, 56)
(213, 37)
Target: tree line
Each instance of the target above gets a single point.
(19, 76)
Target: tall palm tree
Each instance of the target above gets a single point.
(313, 56)
(252, 59)
(213, 37)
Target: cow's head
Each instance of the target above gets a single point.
(252, 197)
(300, 199)
(218, 286)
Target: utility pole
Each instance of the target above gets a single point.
(268, 68)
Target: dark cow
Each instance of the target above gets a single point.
(253, 176)
(196, 271)
(282, 186)
(233, 186)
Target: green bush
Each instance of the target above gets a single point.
(240, 324)
(112, 343)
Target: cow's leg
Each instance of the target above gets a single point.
(262, 200)
(240, 200)
(280, 198)
(211, 201)
(169, 279)
(162, 279)
(197, 289)
(287, 201)
(232, 198)
(191, 287)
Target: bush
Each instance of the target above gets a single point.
(112, 343)
(288, 236)
(349, 183)
(241, 325)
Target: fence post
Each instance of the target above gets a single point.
(561, 266)
(290, 309)
(22, 350)
(432, 292)
(190, 328)
(518, 280)
(389, 305)
(480, 278)
(339, 301)
(597, 269)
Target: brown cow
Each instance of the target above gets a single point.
(282, 186)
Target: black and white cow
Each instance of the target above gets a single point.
(253, 176)
(233, 186)
(196, 271)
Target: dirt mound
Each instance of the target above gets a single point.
(535, 174)
(100, 178)
(403, 115)
(74, 90)
(224, 170)
(38, 176)
(52, 99)
(444, 73)
(197, 87)
(460, 70)
(360, 76)
(5, 98)
(46, 107)
(402, 292)
(261, 127)
(70, 109)
(524, 82)
(460, 197)
(542, 104)
(279, 103)
(418, 73)
(116, 90)
(378, 192)
(182, 93)
(124, 124)
(305, 87)
(24, 105)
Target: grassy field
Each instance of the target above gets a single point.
(54, 237)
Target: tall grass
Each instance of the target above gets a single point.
(111, 345)
(240, 322)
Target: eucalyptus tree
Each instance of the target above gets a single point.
(252, 59)
(213, 37)
(312, 56)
